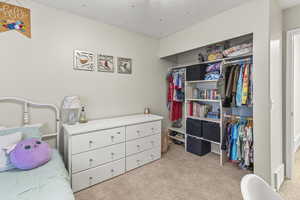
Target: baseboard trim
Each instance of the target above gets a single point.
(279, 177)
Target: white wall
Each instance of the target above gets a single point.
(253, 17)
(41, 68)
(276, 87)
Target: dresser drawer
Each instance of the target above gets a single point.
(142, 130)
(142, 144)
(97, 157)
(98, 174)
(97, 139)
(142, 158)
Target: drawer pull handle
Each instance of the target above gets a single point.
(119, 132)
(90, 143)
(138, 146)
(138, 161)
(112, 153)
(152, 129)
(112, 137)
(138, 132)
(112, 170)
(91, 159)
(90, 178)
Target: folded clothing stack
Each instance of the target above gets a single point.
(213, 71)
(213, 115)
(238, 50)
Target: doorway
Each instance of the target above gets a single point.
(292, 100)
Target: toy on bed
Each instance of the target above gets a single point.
(30, 153)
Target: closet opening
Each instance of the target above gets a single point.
(210, 101)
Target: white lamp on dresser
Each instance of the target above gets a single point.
(103, 149)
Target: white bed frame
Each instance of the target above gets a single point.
(26, 116)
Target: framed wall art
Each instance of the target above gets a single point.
(124, 65)
(105, 63)
(84, 60)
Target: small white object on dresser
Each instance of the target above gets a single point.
(103, 149)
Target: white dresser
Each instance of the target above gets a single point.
(103, 149)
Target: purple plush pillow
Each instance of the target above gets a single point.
(30, 153)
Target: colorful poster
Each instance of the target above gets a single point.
(15, 18)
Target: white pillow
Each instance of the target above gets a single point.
(7, 143)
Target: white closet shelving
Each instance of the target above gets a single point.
(215, 103)
(202, 83)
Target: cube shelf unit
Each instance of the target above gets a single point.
(206, 84)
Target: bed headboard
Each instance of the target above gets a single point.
(26, 116)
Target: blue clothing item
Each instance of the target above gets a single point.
(239, 90)
(233, 146)
(212, 76)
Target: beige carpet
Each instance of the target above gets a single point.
(177, 176)
(291, 189)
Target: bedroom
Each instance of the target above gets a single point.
(42, 69)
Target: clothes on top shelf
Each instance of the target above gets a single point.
(175, 94)
(238, 85)
(238, 50)
(238, 142)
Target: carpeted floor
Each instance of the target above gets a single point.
(291, 189)
(177, 176)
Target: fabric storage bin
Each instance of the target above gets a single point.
(194, 127)
(195, 73)
(198, 146)
(211, 131)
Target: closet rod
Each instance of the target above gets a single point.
(238, 62)
(239, 117)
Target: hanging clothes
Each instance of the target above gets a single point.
(175, 94)
(237, 85)
(245, 84)
(237, 142)
(239, 90)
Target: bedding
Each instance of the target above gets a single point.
(48, 182)
(7, 143)
(29, 131)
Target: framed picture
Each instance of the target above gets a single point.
(105, 63)
(124, 65)
(84, 60)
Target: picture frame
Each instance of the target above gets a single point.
(84, 60)
(124, 65)
(105, 63)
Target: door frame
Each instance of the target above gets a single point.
(290, 142)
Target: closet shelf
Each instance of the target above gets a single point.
(205, 119)
(176, 138)
(203, 81)
(238, 117)
(205, 100)
(178, 130)
(211, 62)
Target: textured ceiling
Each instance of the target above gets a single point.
(156, 18)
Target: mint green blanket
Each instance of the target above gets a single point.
(48, 182)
